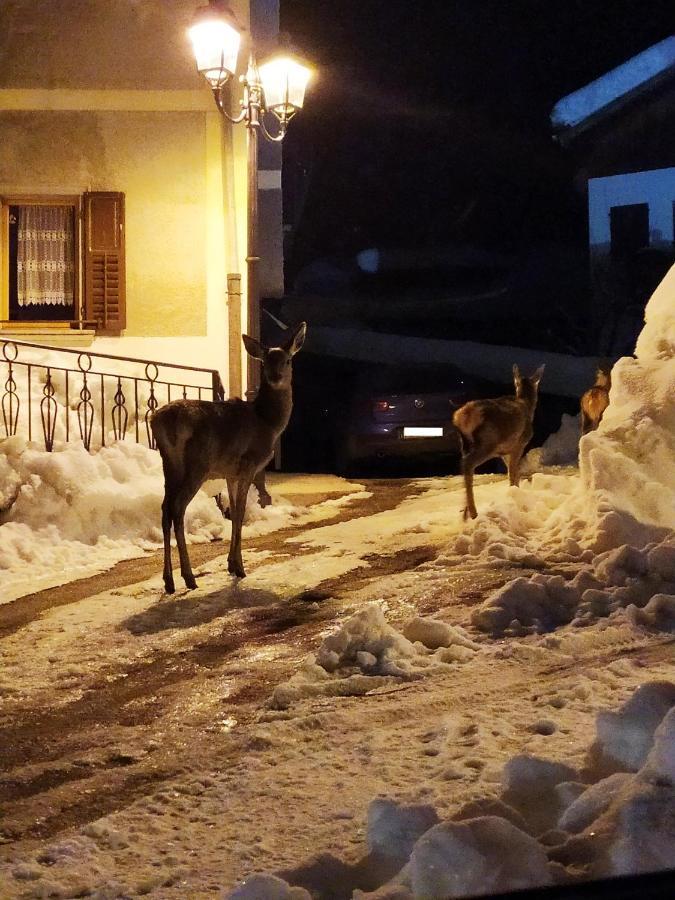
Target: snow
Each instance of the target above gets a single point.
(394, 828)
(625, 737)
(367, 652)
(480, 856)
(604, 91)
(559, 449)
(70, 513)
(268, 887)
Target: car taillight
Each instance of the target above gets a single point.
(380, 405)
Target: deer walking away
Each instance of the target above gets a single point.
(595, 400)
(500, 427)
(232, 439)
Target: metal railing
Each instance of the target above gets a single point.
(97, 398)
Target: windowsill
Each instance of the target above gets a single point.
(56, 333)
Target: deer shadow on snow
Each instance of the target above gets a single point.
(187, 611)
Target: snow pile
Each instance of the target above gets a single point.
(629, 459)
(642, 582)
(367, 652)
(559, 449)
(625, 737)
(71, 513)
(479, 856)
(625, 492)
(267, 887)
(527, 525)
(551, 823)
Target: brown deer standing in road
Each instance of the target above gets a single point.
(500, 427)
(595, 400)
(232, 439)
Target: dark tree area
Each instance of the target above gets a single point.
(429, 121)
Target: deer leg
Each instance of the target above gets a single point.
(514, 466)
(183, 497)
(232, 510)
(467, 472)
(470, 461)
(169, 585)
(264, 498)
(238, 495)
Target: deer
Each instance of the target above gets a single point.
(233, 439)
(595, 400)
(500, 427)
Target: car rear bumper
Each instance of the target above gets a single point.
(394, 444)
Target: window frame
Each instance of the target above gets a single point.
(7, 200)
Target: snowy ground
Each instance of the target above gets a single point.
(129, 774)
(393, 702)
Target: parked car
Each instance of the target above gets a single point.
(405, 413)
(349, 414)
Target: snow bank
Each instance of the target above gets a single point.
(267, 887)
(367, 652)
(476, 857)
(71, 513)
(551, 823)
(640, 581)
(623, 498)
(559, 449)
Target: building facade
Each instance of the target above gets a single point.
(621, 133)
(121, 185)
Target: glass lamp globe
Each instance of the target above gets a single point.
(283, 81)
(215, 42)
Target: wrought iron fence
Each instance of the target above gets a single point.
(52, 394)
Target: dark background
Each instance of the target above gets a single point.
(428, 121)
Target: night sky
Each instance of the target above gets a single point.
(429, 123)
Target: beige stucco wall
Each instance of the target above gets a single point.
(104, 95)
(158, 160)
(111, 44)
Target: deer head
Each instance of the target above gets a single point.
(527, 387)
(277, 361)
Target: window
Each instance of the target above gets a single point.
(63, 261)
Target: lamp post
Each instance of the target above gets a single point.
(277, 86)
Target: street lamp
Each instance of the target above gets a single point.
(277, 86)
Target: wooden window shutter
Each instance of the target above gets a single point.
(104, 276)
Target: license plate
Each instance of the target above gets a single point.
(417, 432)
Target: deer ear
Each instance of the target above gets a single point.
(536, 378)
(297, 340)
(253, 348)
(516, 372)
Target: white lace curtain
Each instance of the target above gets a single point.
(45, 255)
